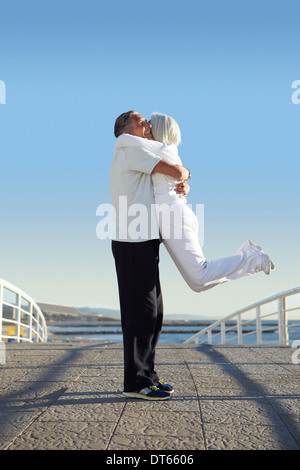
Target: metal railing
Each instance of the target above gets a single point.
(21, 319)
(264, 322)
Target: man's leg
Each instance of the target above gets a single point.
(136, 265)
(158, 326)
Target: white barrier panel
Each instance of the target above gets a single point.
(21, 319)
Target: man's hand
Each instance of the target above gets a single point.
(182, 188)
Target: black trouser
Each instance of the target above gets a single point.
(141, 309)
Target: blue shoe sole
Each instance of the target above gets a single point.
(154, 396)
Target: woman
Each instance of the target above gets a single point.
(178, 224)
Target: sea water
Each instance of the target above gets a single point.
(173, 334)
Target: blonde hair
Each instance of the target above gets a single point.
(165, 129)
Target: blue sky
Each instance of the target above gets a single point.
(223, 70)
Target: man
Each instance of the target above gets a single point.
(137, 258)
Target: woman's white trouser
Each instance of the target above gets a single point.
(179, 233)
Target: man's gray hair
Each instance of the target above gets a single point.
(165, 129)
(123, 123)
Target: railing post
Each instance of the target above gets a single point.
(209, 337)
(239, 329)
(283, 327)
(258, 326)
(30, 322)
(1, 309)
(223, 335)
(19, 317)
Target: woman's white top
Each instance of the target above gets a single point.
(163, 185)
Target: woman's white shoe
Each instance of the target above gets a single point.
(266, 264)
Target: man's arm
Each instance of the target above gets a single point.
(178, 172)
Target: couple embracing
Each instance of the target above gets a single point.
(147, 170)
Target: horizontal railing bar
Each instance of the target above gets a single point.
(8, 304)
(9, 320)
(262, 316)
(227, 330)
(248, 322)
(215, 335)
(270, 329)
(16, 290)
(292, 309)
(23, 340)
(247, 333)
(231, 339)
(265, 315)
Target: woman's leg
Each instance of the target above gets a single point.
(200, 273)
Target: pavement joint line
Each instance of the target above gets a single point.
(115, 426)
(199, 405)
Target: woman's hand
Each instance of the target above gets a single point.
(182, 188)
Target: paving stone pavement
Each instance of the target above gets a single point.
(68, 396)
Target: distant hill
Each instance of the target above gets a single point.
(106, 312)
(59, 311)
